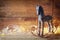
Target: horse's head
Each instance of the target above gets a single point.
(40, 10)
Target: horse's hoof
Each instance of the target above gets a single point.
(41, 36)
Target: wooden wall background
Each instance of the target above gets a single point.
(20, 11)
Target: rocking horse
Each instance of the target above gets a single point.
(41, 19)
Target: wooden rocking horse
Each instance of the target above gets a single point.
(41, 19)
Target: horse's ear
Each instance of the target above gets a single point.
(41, 7)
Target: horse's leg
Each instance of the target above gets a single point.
(49, 27)
(52, 27)
(42, 32)
(39, 27)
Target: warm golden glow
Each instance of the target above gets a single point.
(31, 26)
